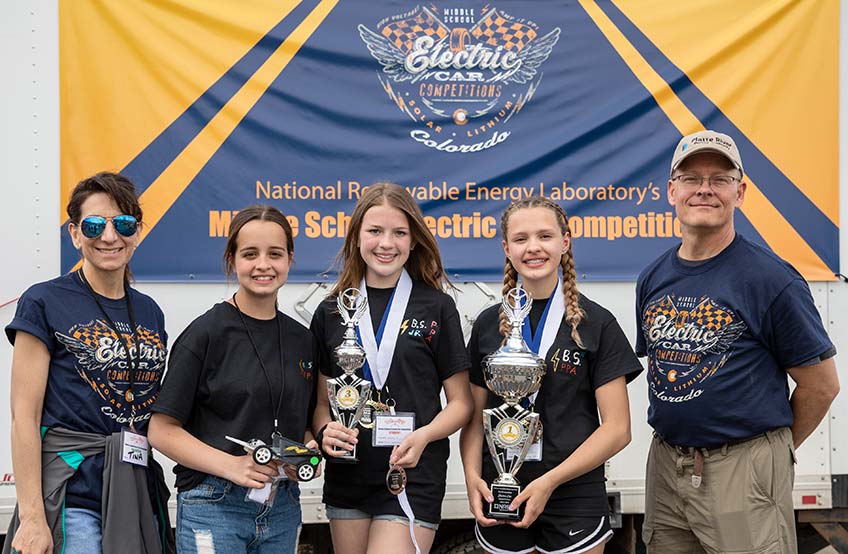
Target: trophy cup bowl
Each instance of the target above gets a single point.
(513, 374)
(349, 356)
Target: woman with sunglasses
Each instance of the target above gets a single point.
(89, 352)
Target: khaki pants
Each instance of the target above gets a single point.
(743, 503)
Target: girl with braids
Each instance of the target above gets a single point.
(589, 362)
(414, 347)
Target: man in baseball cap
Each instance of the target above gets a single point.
(724, 323)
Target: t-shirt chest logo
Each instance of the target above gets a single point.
(565, 361)
(102, 362)
(689, 339)
(305, 369)
(419, 328)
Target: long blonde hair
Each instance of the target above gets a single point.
(424, 263)
(574, 314)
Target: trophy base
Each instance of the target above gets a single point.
(503, 496)
(348, 457)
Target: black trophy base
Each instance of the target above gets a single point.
(349, 457)
(503, 495)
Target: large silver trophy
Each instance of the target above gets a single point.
(513, 372)
(349, 393)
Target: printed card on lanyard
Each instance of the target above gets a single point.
(390, 429)
(540, 342)
(134, 448)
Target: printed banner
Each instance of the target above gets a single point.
(211, 106)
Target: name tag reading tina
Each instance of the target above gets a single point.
(134, 448)
(390, 429)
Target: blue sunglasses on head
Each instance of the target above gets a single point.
(94, 225)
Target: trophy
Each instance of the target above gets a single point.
(512, 372)
(349, 393)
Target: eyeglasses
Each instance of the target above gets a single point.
(94, 225)
(717, 182)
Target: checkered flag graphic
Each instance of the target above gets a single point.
(496, 30)
(709, 316)
(404, 32)
(662, 307)
(92, 333)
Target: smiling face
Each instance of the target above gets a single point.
(110, 252)
(384, 244)
(705, 207)
(534, 245)
(262, 259)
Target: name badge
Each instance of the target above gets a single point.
(268, 493)
(533, 455)
(134, 448)
(390, 429)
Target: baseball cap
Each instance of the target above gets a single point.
(706, 141)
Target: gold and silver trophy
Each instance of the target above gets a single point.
(513, 372)
(349, 393)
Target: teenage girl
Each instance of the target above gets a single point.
(391, 256)
(243, 369)
(588, 361)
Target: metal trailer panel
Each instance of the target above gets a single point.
(838, 323)
(29, 156)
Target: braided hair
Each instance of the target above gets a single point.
(574, 314)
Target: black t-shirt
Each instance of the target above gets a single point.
(429, 350)
(566, 399)
(215, 385)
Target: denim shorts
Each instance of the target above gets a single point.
(215, 517)
(334, 512)
(82, 531)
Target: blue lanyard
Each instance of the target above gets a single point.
(366, 369)
(534, 340)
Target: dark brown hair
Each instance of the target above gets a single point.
(117, 187)
(574, 314)
(245, 216)
(424, 263)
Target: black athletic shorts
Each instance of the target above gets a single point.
(376, 500)
(549, 534)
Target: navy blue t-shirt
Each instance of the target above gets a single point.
(719, 338)
(88, 377)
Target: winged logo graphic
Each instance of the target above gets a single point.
(102, 361)
(487, 72)
(688, 339)
(389, 56)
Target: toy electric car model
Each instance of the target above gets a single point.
(305, 460)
